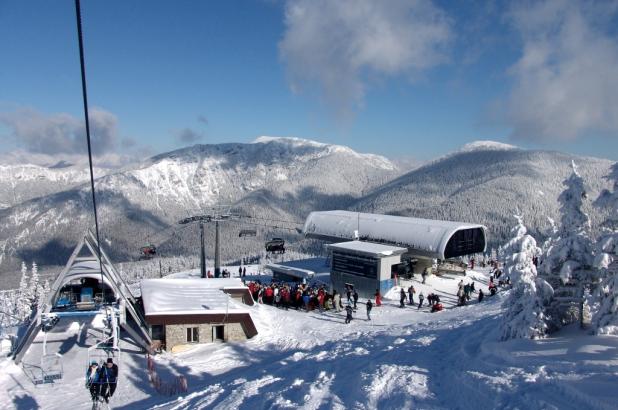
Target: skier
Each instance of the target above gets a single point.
(337, 301)
(239, 271)
(424, 275)
(369, 307)
(466, 290)
(92, 380)
(402, 298)
(348, 313)
(244, 271)
(349, 293)
(321, 297)
(277, 297)
(411, 292)
(481, 295)
(420, 300)
(108, 376)
(261, 295)
(378, 298)
(355, 297)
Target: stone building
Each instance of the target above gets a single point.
(184, 312)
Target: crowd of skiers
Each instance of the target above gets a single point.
(315, 296)
(102, 380)
(301, 296)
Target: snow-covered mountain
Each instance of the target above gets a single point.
(487, 182)
(283, 179)
(19, 183)
(137, 203)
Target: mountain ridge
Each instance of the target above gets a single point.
(285, 179)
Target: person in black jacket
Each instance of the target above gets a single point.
(369, 307)
(355, 297)
(108, 377)
(348, 313)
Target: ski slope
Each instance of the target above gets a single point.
(402, 358)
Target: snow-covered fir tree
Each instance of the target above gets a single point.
(24, 306)
(526, 304)
(607, 246)
(570, 252)
(45, 289)
(567, 261)
(35, 284)
(605, 320)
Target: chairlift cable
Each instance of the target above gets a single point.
(78, 15)
(264, 225)
(273, 219)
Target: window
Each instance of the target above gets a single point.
(355, 265)
(158, 332)
(193, 334)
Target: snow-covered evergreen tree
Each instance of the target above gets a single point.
(605, 320)
(607, 246)
(35, 285)
(45, 289)
(525, 315)
(570, 252)
(24, 306)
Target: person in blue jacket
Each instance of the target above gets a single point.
(92, 380)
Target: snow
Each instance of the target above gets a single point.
(403, 358)
(424, 235)
(487, 146)
(368, 247)
(188, 296)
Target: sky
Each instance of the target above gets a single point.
(402, 78)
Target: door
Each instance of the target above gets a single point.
(218, 333)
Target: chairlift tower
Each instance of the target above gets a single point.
(216, 215)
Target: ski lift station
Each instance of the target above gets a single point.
(370, 250)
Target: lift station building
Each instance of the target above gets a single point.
(368, 250)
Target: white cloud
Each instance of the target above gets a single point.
(61, 133)
(566, 81)
(337, 45)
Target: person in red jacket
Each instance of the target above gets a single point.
(378, 298)
(268, 295)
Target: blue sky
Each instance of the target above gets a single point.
(400, 78)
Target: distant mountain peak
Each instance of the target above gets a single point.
(61, 164)
(264, 139)
(487, 145)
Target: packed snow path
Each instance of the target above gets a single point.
(402, 358)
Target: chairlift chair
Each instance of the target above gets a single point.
(50, 368)
(247, 233)
(148, 251)
(275, 245)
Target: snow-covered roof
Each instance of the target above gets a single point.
(422, 237)
(374, 249)
(290, 270)
(187, 296)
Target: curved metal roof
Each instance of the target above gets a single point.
(85, 269)
(423, 237)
